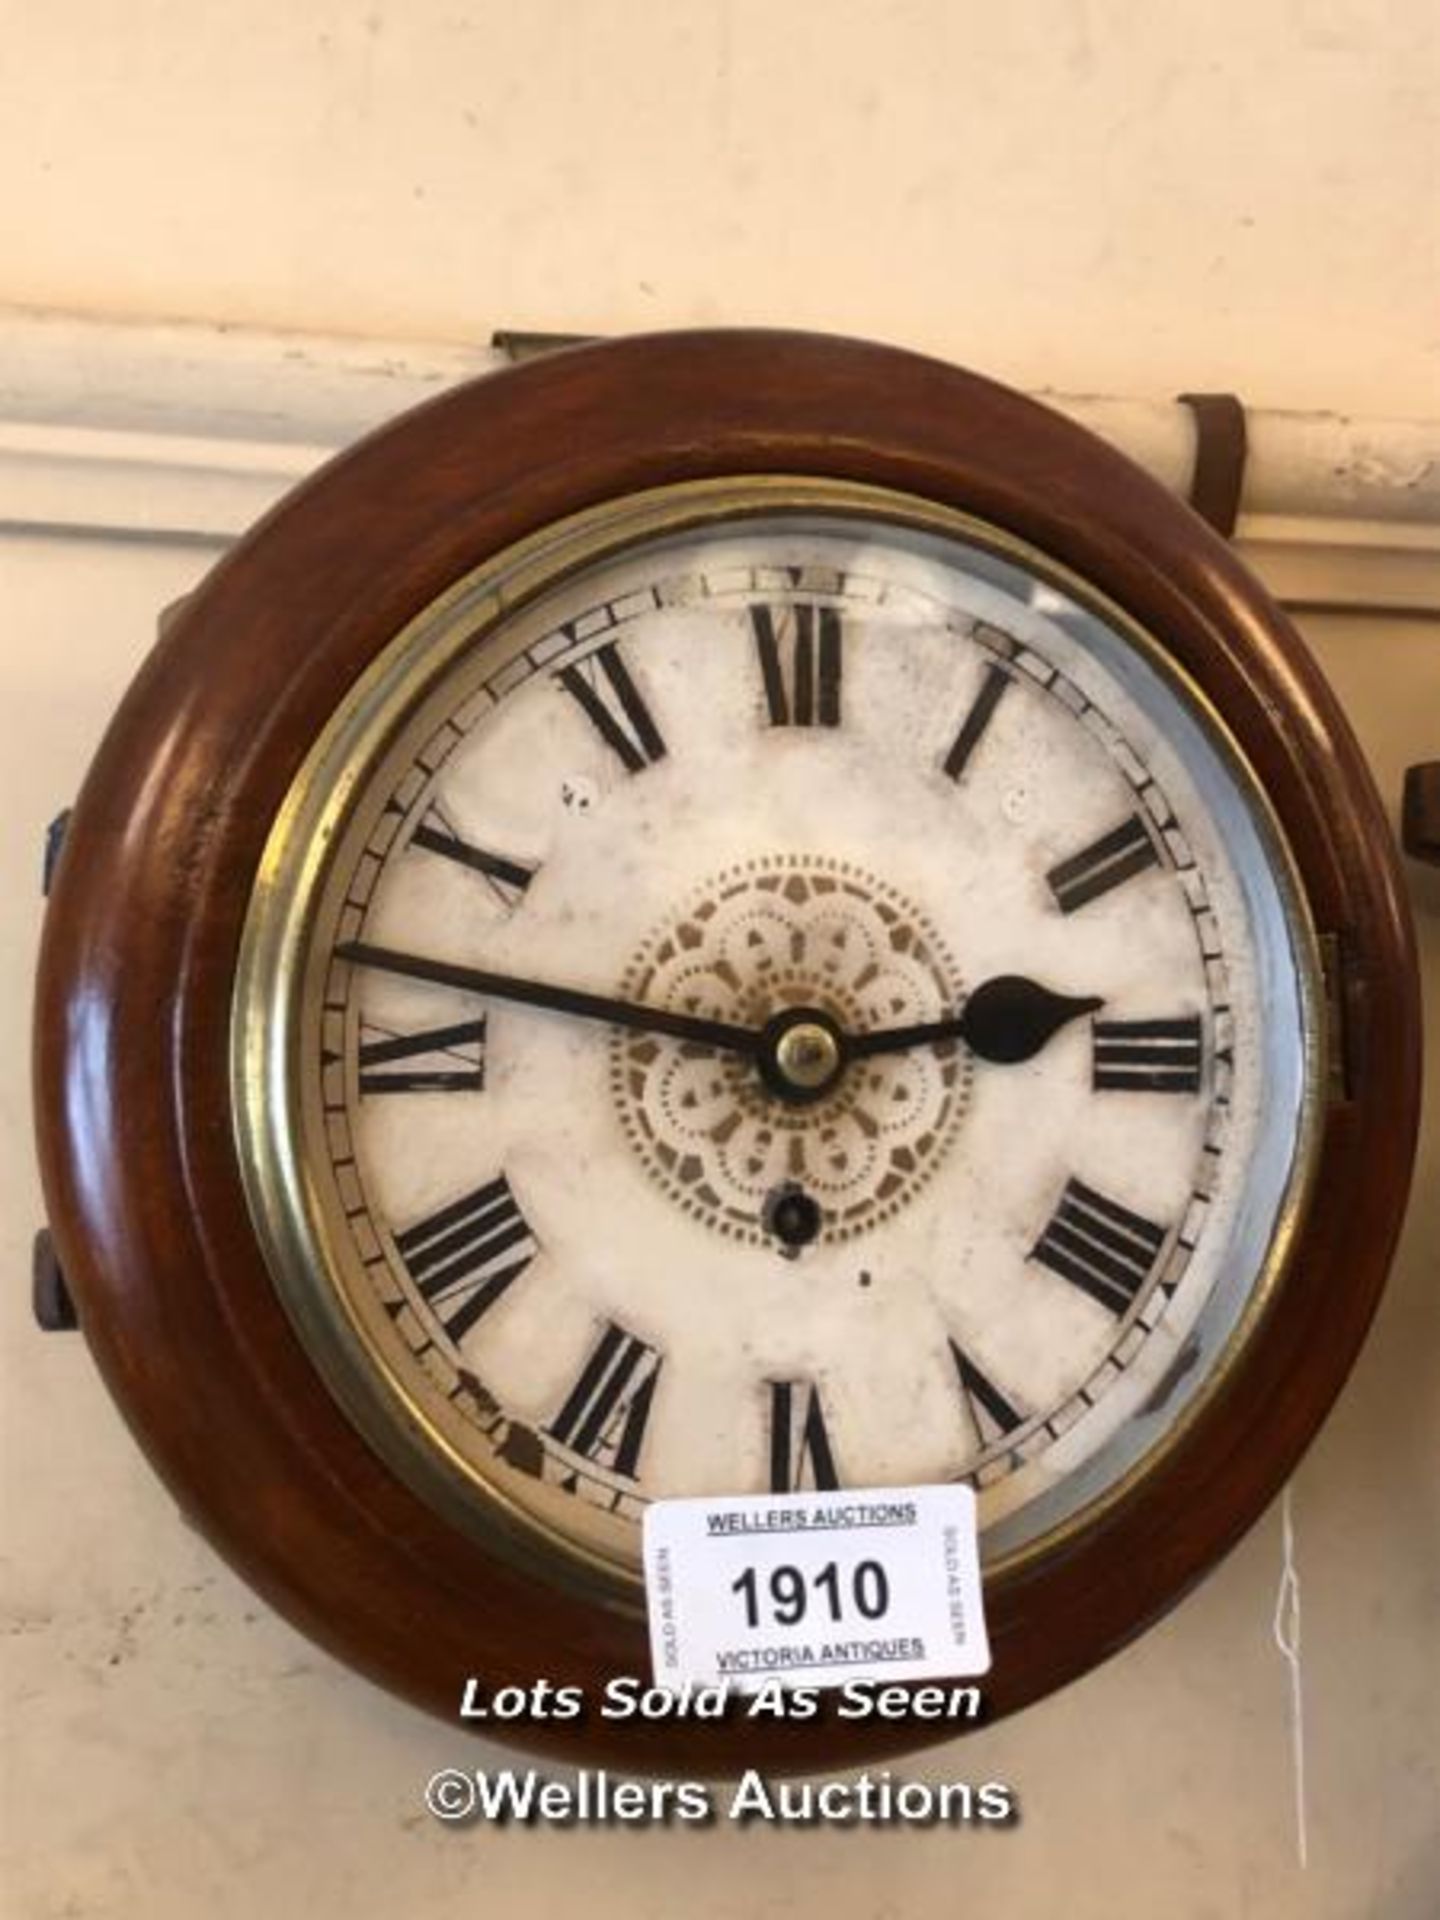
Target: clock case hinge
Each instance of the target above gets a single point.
(1344, 988)
(1217, 485)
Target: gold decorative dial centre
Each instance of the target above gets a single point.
(847, 954)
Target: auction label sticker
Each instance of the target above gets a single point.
(815, 1589)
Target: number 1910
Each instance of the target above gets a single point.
(787, 1593)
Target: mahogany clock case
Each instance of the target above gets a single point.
(137, 973)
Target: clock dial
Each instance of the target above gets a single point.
(796, 994)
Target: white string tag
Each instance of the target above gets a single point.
(1287, 1639)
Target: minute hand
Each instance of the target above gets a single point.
(1005, 1020)
(539, 993)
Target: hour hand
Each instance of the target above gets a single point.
(1005, 1020)
(720, 1034)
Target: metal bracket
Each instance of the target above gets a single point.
(1420, 812)
(1221, 449)
(54, 843)
(517, 345)
(50, 1296)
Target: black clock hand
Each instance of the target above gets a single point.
(539, 993)
(1005, 1020)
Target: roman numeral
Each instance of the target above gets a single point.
(507, 879)
(1099, 1246)
(1148, 1056)
(465, 1256)
(972, 727)
(610, 699)
(1114, 857)
(605, 1414)
(993, 1414)
(440, 1060)
(799, 1444)
(806, 639)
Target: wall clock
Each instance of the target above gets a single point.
(722, 912)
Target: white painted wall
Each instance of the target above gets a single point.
(1089, 195)
(1096, 195)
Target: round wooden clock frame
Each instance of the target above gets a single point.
(137, 975)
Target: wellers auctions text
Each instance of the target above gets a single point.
(462, 1798)
(625, 1698)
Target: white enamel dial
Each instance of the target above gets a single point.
(820, 765)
